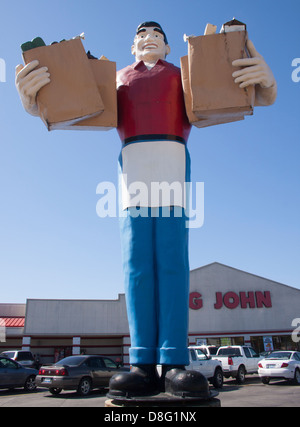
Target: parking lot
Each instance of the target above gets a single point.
(251, 394)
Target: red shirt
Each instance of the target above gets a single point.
(151, 102)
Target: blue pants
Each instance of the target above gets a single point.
(156, 273)
(156, 279)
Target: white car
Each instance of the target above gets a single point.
(280, 365)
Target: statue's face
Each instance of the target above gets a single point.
(149, 45)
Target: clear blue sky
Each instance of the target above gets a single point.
(52, 243)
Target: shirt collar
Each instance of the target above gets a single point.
(140, 64)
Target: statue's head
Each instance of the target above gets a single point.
(150, 43)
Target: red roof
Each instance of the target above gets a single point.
(12, 322)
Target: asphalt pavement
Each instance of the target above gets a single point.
(251, 394)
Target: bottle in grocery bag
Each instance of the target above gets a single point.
(233, 25)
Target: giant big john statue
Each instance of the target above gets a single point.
(154, 130)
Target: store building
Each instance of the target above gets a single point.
(227, 306)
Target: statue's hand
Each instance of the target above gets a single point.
(256, 70)
(29, 81)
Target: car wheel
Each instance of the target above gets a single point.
(55, 391)
(241, 375)
(30, 383)
(218, 378)
(297, 377)
(85, 386)
(265, 380)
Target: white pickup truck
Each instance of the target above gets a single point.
(237, 361)
(210, 368)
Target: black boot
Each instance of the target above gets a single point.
(180, 382)
(142, 380)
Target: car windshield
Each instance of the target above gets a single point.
(200, 354)
(229, 352)
(279, 355)
(71, 361)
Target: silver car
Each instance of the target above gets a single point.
(82, 373)
(23, 357)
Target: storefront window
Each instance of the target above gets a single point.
(269, 343)
(222, 341)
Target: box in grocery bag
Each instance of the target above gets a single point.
(72, 94)
(211, 95)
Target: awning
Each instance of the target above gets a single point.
(12, 322)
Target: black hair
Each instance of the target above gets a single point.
(152, 24)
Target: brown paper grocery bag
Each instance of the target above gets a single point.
(214, 96)
(105, 76)
(72, 93)
(193, 119)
